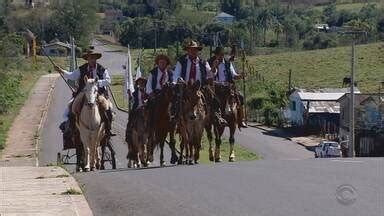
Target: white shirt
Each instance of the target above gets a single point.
(221, 77)
(75, 75)
(148, 88)
(177, 72)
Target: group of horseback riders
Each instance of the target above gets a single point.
(190, 68)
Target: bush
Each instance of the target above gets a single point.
(11, 45)
(320, 40)
(9, 88)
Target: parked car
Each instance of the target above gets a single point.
(328, 149)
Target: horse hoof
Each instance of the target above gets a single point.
(86, 169)
(196, 162)
(174, 159)
(190, 162)
(231, 159)
(162, 164)
(211, 159)
(218, 160)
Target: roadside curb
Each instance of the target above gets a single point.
(287, 138)
(43, 118)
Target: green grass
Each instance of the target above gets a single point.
(242, 154)
(355, 7)
(323, 68)
(71, 191)
(30, 74)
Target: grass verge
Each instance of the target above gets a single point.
(30, 72)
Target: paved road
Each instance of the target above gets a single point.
(282, 184)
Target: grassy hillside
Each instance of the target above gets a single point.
(324, 68)
(349, 6)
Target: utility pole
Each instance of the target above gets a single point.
(290, 80)
(351, 149)
(351, 143)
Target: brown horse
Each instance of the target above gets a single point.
(229, 104)
(161, 124)
(136, 137)
(191, 121)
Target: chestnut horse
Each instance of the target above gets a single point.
(136, 136)
(161, 124)
(191, 121)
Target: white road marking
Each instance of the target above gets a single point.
(348, 161)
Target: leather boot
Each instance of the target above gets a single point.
(108, 123)
(240, 116)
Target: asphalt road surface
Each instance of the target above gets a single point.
(284, 183)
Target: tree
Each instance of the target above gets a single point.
(231, 6)
(76, 18)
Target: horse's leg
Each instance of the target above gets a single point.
(218, 133)
(208, 129)
(86, 153)
(232, 143)
(92, 150)
(162, 163)
(180, 162)
(172, 146)
(197, 148)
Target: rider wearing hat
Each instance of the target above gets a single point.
(159, 75)
(225, 73)
(139, 95)
(190, 67)
(92, 70)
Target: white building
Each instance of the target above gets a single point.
(314, 107)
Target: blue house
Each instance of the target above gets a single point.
(225, 18)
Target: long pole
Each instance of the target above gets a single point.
(54, 64)
(244, 93)
(352, 105)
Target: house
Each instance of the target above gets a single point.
(315, 109)
(36, 3)
(57, 48)
(113, 14)
(369, 123)
(322, 27)
(225, 18)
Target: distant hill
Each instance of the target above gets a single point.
(324, 68)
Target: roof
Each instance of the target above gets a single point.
(362, 98)
(58, 43)
(224, 15)
(323, 107)
(326, 94)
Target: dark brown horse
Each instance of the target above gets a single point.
(191, 121)
(137, 137)
(161, 125)
(226, 96)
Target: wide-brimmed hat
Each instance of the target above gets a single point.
(192, 44)
(139, 76)
(219, 50)
(164, 57)
(91, 52)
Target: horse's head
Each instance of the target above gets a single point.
(192, 99)
(91, 91)
(227, 96)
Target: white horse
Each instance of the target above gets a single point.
(89, 123)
